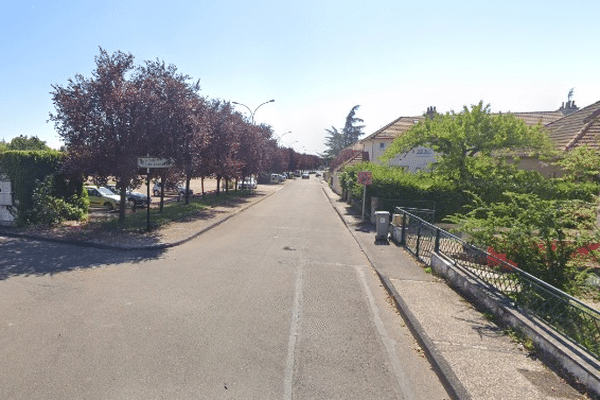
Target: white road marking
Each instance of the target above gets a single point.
(390, 344)
(293, 337)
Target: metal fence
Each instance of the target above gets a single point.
(566, 314)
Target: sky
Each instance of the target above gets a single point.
(316, 58)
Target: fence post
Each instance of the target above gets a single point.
(436, 247)
(403, 239)
(418, 240)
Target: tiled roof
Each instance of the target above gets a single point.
(394, 129)
(402, 124)
(535, 117)
(348, 157)
(581, 127)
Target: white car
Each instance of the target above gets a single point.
(248, 183)
(275, 178)
(179, 189)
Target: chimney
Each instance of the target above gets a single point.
(568, 108)
(431, 111)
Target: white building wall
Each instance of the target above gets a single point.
(5, 202)
(418, 159)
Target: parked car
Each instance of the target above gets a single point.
(135, 199)
(248, 183)
(179, 189)
(275, 178)
(305, 175)
(102, 197)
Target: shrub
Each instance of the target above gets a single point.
(543, 237)
(26, 170)
(395, 187)
(50, 210)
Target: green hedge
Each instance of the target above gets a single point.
(395, 187)
(28, 170)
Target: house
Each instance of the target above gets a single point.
(564, 124)
(376, 144)
(577, 127)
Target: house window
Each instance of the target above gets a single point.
(381, 146)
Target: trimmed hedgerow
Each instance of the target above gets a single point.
(38, 172)
(395, 187)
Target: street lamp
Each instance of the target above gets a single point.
(279, 137)
(252, 112)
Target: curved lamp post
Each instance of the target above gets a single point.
(279, 137)
(252, 112)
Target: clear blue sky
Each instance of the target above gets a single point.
(316, 58)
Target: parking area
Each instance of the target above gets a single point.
(100, 213)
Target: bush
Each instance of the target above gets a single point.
(50, 210)
(26, 169)
(395, 187)
(542, 237)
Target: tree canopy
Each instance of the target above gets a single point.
(581, 164)
(23, 142)
(337, 140)
(464, 140)
(123, 112)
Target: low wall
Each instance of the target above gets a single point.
(553, 348)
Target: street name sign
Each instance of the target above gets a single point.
(155, 162)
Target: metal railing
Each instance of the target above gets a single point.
(567, 315)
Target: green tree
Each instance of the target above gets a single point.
(334, 143)
(464, 140)
(22, 142)
(581, 164)
(336, 140)
(352, 131)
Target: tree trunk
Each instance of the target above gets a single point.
(123, 205)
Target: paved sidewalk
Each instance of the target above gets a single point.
(473, 356)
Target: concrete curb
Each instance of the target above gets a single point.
(440, 365)
(153, 247)
(557, 351)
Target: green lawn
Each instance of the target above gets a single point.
(172, 211)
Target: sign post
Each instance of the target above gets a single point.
(152, 163)
(364, 178)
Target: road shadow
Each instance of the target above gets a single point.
(21, 257)
(240, 200)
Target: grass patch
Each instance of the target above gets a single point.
(517, 337)
(172, 211)
(490, 317)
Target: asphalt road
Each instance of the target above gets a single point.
(276, 303)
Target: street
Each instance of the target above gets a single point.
(278, 302)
